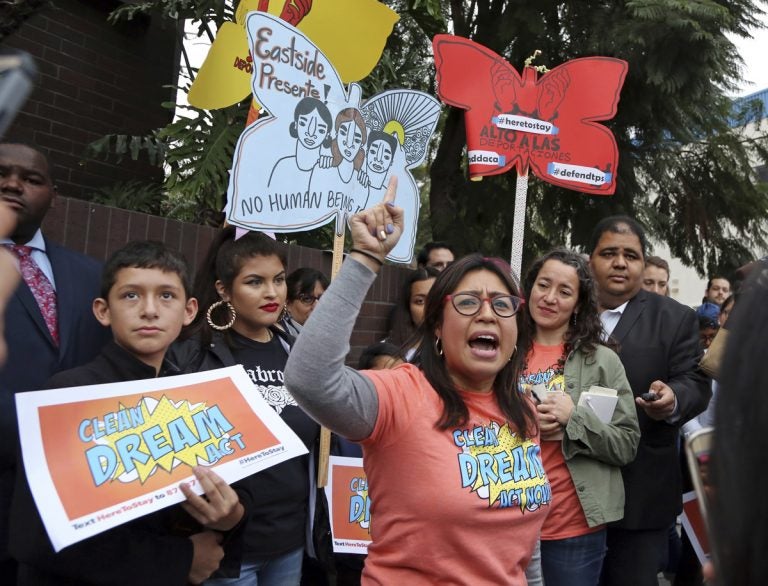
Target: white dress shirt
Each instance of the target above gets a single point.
(611, 317)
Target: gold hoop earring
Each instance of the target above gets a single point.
(438, 347)
(231, 310)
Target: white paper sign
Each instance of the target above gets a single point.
(349, 505)
(100, 456)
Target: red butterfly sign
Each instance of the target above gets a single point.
(549, 123)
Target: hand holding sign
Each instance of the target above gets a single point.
(220, 509)
(149, 436)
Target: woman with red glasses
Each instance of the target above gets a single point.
(564, 357)
(450, 447)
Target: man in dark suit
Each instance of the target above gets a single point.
(38, 347)
(659, 346)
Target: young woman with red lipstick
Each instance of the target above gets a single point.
(450, 447)
(241, 287)
(565, 356)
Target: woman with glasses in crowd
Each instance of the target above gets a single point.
(564, 357)
(450, 447)
(305, 287)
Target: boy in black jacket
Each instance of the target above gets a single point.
(145, 299)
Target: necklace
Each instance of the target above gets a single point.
(257, 339)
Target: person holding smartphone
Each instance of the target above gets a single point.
(659, 347)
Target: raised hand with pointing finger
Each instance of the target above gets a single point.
(376, 230)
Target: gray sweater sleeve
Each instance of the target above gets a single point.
(339, 397)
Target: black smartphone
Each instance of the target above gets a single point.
(650, 396)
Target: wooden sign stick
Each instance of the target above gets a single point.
(325, 433)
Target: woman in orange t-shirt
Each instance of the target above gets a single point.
(582, 455)
(456, 484)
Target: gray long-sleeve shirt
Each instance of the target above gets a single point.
(339, 397)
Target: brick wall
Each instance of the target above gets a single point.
(94, 79)
(98, 231)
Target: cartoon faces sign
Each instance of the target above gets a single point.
(321, 155)
(100, 456)
(550, 124)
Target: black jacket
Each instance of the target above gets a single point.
(659, 340)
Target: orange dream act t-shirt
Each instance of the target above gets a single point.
(457, 506)
(566, 518)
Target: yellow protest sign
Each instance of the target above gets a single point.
(351, 33)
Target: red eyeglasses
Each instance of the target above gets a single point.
(469, 304)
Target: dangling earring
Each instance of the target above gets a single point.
(284, 313)
(438, 347)
(514, 350)
(573, 317)
(231, 310)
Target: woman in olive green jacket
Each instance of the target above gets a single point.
(582, 453)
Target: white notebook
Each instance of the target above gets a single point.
(601, 400)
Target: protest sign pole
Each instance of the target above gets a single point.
(325, 433)
(518, 223)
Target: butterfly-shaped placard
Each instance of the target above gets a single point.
(550, 123)
(321, 155)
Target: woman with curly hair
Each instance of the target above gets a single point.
(565, 356)
(450, 445)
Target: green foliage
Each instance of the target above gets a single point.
(131, 195)
(203, 11)
(196, 152)
(199, 153)
(121, 145)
